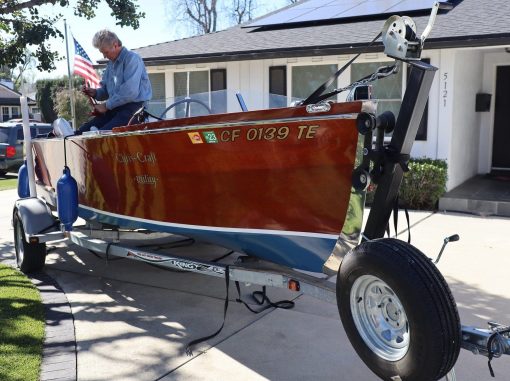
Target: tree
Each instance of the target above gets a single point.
(207, 16)
(46, 94)
(62, 106)
(202, 15)
(242, 10)
(23, 26)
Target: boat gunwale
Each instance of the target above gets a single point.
(336, 108)
(193, 127)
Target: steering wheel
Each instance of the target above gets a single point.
(187, 101)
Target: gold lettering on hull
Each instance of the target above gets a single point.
(269, 133)
(146, 180)
(137, 157)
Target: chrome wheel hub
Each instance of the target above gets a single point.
(380, 318)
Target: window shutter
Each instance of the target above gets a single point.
(277, 86)
(218, 93)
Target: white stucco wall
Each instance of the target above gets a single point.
(465, 127)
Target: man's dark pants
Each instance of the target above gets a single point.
(119, 116)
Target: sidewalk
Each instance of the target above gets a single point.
(132, 320)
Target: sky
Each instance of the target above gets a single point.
(156, 27)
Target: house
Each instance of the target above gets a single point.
(465, 121)
(10, 103)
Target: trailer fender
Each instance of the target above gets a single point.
(34, 214)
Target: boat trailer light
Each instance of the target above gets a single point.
(294, 285)
(34, 239)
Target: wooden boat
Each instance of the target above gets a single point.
(281, 185)
(274, 184)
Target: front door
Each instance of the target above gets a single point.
(501, 139)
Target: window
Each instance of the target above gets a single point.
(195, 85)
(19, 135)
(158, 103)
(306, 79)
(388, 91)
(422, 129)
(15, 112)
(5, 114)
(277, 86)
(4, 134)
(218, 93)
(44, 131)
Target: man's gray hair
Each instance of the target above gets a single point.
(105, 38)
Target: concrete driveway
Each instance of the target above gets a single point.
(133, 321)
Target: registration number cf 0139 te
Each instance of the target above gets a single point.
(268, 133)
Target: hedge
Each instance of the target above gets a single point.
(422, 186)
(46, 93)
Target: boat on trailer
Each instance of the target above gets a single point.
(274, 183)
(285, 188)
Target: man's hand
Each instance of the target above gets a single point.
(88, 91)
(100, 108)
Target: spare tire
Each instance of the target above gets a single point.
(398, 311)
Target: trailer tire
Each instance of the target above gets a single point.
(398, 311)
(30, 257)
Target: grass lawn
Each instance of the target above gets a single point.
(8, 182)
(21, 327)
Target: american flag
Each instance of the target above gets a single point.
(83, 65)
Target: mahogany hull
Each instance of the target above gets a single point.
(274, 184)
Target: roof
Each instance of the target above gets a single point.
(9, 97)
(469, 23)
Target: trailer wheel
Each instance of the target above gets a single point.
(398, 311)
(30, 257)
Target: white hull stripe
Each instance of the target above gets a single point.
(214, 228)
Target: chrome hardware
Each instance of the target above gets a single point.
(452, 238)
(318, 107)
(399, 36)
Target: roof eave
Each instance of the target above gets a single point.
(291, 52)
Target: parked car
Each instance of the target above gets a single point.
(11, 143)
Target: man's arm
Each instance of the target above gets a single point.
(130, 88)
(101, 91)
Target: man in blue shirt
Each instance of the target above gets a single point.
(125, 84)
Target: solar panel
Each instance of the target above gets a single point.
(317, 11)
(370, 8)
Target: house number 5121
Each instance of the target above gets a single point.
(444, 90)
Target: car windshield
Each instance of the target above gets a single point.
(4, 134)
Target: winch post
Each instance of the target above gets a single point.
(406, 127)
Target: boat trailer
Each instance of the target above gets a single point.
(366, 271)
(491, 342)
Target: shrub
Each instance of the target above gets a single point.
(46, 92)
(422, 186)
(82, 107)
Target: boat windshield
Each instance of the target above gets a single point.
(215, 102)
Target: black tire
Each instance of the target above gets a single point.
(2, 172)
(30, 257)
(431, 334)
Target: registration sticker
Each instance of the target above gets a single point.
(210, 137)
(195, 137)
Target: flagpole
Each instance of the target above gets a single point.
(71, 93)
